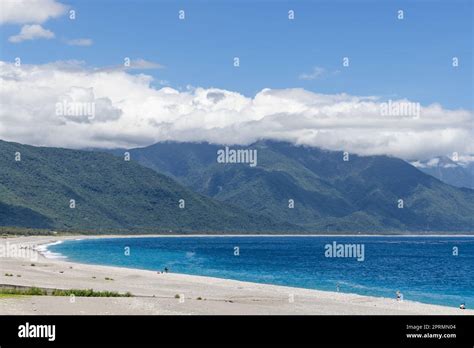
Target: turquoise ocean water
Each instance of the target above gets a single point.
(424, 269)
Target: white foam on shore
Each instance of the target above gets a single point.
(43, 250)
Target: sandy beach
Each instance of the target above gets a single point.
(171, 294)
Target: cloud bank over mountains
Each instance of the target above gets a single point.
(130, 112)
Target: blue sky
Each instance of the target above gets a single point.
(390, 58)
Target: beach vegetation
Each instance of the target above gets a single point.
(34, 291)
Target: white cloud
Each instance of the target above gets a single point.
(79, 42)
(465, 160)
(31, 32)
(418, 164)
(130, 112)
(144, 64)
(30, 11)
(316, 73)
(132, 64)
(433, 162)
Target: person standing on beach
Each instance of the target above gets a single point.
(399, 296)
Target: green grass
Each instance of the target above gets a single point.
(89, 293)
(59, 292)
(29, 291)
(7, 296)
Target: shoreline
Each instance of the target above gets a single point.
(91, 236)
(174, 293)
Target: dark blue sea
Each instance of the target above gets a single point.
(424, 269)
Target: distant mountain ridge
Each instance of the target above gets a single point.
(110, 194)
(329, 194)
(455, 173)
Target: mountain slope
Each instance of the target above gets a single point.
(330, 194)
(110, 194)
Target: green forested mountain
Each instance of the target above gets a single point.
(110, 195)
(330, 195)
